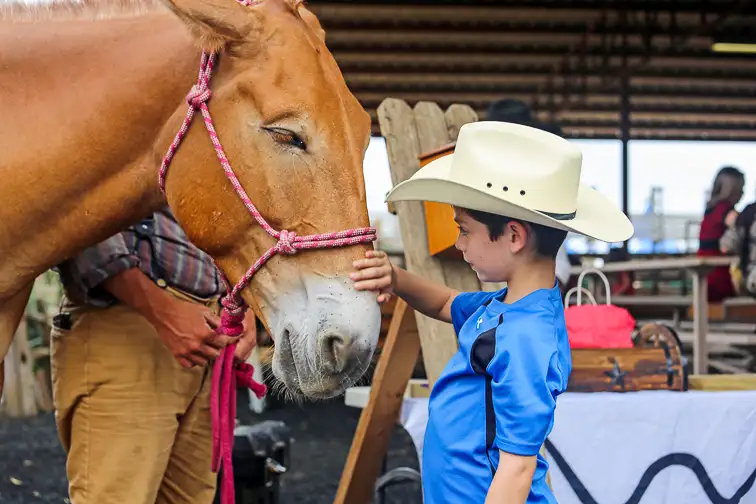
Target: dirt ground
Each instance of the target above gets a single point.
(32, 463)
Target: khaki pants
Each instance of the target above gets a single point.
(135, 425)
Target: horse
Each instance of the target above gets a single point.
(93, 94)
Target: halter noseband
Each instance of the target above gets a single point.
(234, 307)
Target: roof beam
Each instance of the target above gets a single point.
(335, 15)
(656, 5)
(500, 82)
(639, 103)
(395, 61)
(442, 40)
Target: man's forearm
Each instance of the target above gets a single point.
(513, 479)
(427, 297)
(137, 290)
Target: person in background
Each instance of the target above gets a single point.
(740, 240)
(622, 283)
(719, 215)
(516, 111)
(131, 382)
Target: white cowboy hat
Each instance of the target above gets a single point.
(519, 172)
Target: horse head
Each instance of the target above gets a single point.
(296, 137)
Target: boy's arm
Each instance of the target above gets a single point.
(422, 295)
(525, 373)
(378, 274)
(513, 479)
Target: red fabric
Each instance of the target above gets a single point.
(712, 228)
(720, 285)
(713, 224)
(599, 326)
(623, 286)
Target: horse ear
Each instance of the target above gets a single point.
(312, 21)
(214, 22)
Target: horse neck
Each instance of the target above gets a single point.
(84, 102)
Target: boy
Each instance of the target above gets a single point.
(515, 192)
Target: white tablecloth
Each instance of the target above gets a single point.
(652, 447)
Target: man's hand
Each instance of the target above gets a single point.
(248, 340)
(187, 329)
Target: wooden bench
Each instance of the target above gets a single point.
(740, 308)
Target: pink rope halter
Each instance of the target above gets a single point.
(234, 307)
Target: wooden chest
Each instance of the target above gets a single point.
(655, 363)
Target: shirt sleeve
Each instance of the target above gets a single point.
(104, 260)
(465, 304)
(732, 239)
(82, 275)
(525, 381)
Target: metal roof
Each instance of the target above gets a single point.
(565, 58)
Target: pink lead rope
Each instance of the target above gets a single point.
(234, 307)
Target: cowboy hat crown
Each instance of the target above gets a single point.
(520, 172)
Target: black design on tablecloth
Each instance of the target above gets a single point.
(682, 459)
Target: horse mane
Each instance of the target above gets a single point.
(54, 10)
(18, 10)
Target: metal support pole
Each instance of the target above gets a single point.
(625, 124)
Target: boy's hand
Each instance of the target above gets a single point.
(374, 273)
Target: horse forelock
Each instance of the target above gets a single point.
(18, 10)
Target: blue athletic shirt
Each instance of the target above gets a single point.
(498, 392)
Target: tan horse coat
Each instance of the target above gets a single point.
(91, 101)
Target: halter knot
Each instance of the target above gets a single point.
(234, 307)
(231, 325)
(198, 95)
(285, 243)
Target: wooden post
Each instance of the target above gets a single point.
(700, 324)
(20, 393)
(409, 133)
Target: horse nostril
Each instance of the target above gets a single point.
(335, 352)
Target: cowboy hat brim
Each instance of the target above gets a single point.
(595, 215)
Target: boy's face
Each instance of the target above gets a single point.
(492, 261)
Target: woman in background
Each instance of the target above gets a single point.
(720, 214)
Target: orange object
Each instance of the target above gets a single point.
(439, 217)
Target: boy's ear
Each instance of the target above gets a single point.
(518, 236)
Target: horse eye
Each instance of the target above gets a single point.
(284, 136)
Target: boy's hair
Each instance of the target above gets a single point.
(547, 239)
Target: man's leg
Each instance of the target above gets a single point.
(189, 478)
(117, 404)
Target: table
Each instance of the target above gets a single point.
(699, 267)
(650, 447)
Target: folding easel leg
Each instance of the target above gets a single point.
(379, 417)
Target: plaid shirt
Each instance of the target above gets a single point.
(157, 246)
